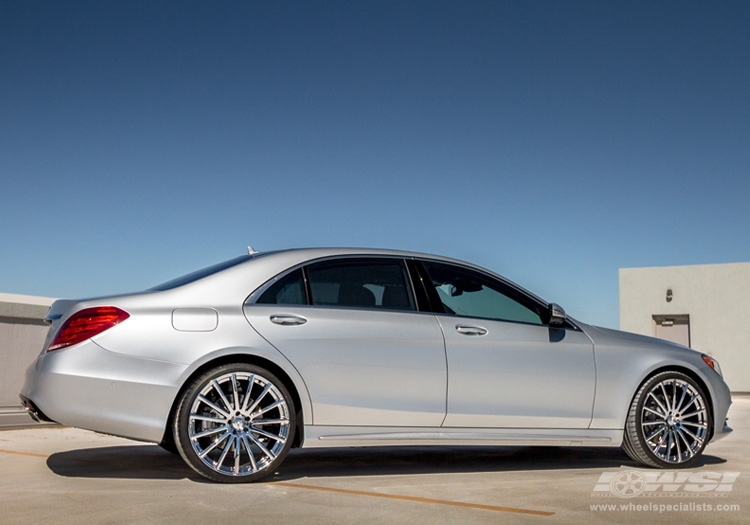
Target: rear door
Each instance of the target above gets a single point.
(351, 328)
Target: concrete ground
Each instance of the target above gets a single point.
(64, 475)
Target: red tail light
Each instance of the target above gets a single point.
(86, 324)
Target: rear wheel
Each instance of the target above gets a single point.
(235, 423)
(668, 422)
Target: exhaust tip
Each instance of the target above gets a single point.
(34, 412)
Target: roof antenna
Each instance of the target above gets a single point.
(251, 250)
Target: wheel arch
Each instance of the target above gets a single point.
(251, 359)
(692, 375)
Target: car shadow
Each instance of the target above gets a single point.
(120, 462)
(152, 462)
(459, 460)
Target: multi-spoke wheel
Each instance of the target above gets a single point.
(669, 421)
(235, 423)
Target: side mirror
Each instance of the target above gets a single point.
(556, 315)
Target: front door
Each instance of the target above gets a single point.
(506, 368)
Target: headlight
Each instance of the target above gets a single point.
(713, 363)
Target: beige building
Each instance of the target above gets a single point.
(705, 307)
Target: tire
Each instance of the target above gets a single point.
(169, 445)
(668, 423)
(235, 423)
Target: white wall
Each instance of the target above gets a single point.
(715, 296)
(22, 335)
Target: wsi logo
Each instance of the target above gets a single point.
(632, 483)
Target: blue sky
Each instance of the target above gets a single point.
(553, 142)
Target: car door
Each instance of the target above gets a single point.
(351, 328)
(506, 367)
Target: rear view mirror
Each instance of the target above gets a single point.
(556, 315)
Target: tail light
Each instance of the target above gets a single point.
(86, 324)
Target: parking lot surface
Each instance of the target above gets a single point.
(64, 475)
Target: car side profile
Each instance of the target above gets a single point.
(233, 365)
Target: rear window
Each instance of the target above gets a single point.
(200, 274)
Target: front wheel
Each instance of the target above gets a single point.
(668, 423)
(235, 423)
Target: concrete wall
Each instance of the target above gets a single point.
(22, 334)
(715, 296)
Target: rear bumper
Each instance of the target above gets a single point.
(88, 387)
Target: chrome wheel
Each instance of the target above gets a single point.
(674, 421)
(669, 421)
(235, 424)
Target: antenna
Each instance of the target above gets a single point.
(251, 250)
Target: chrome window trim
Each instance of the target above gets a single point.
(571, 324)
(258, 292)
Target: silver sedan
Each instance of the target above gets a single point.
(233, 365)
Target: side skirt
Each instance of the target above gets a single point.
(330, 436)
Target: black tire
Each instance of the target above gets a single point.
(235, 423)
(169, 445)
(668, 423)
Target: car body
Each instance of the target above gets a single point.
(233, 365)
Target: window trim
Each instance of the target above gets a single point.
(402, 261)
(423, 294)
(507, 288)
(261, 290)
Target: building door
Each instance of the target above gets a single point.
(674, 328)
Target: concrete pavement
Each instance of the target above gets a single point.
(65, 475)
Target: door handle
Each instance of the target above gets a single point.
(288, 320)
(470, 330)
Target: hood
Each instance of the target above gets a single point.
(609, 336)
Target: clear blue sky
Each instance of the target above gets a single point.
(553, 142)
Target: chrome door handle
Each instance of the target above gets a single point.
(288, 320)
(470, 330)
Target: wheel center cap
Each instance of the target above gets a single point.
(238, 424)
(673, 420)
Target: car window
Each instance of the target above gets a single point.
(200, 274)
(290, 289)
(468, 293)
(360, 283)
